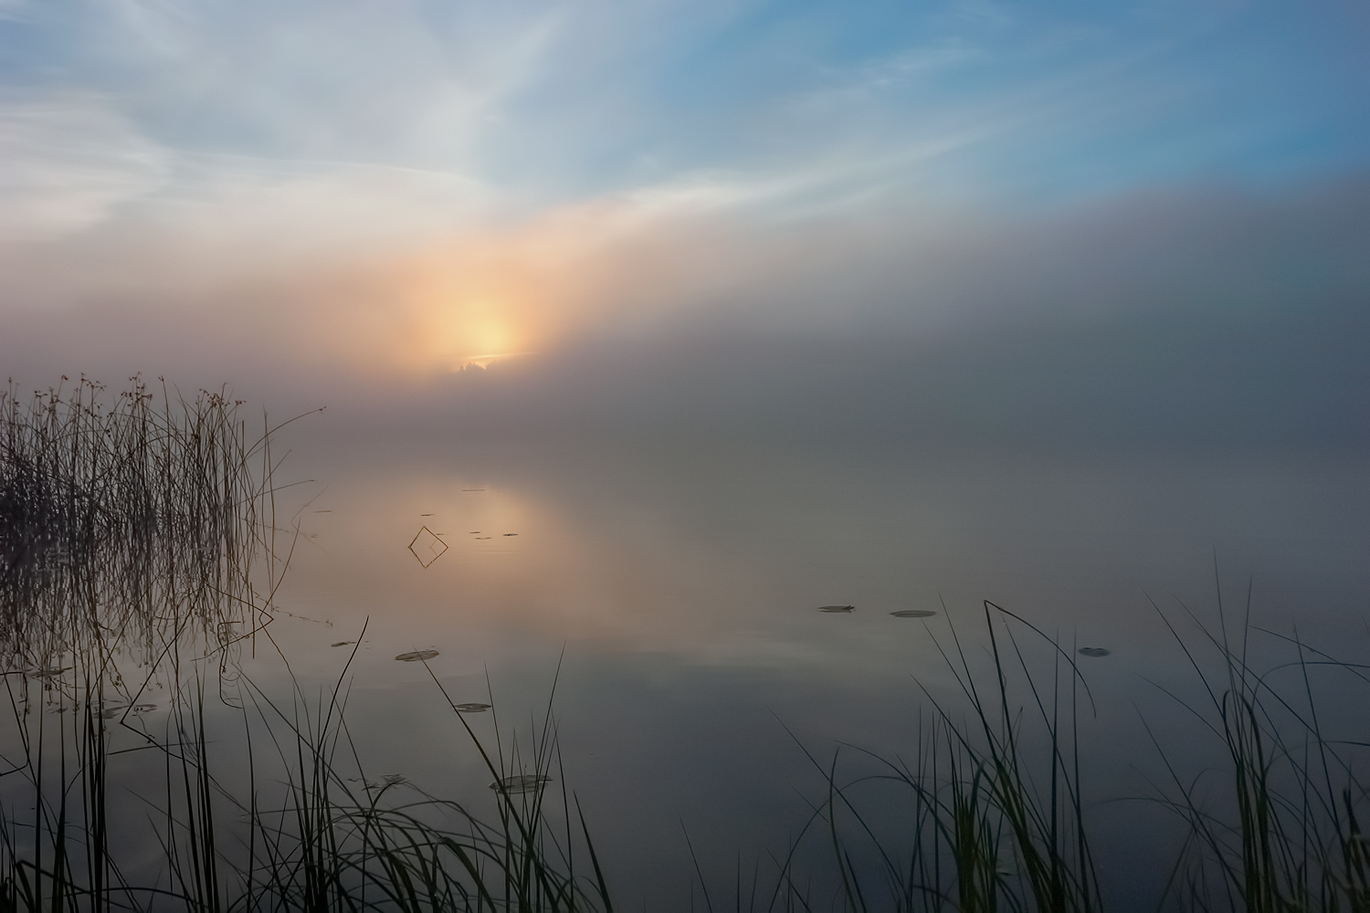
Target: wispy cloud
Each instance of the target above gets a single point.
(71, 160)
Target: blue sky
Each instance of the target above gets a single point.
(544, 103)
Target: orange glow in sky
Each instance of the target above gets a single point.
(475, 298)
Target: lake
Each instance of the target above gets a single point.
(678, 588)
(720, 659)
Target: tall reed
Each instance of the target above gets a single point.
(1283, 833)
(993, 815)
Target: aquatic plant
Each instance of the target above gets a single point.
(113, 509)
(992, 814)
(992, 810)
(1285, 834)
(308, 832)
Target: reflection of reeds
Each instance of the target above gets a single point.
(123, 519)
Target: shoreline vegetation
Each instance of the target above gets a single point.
(140, 769)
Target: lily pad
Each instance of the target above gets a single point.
(522, 783)
(836, 609)
(417, 656)
(1094, 651)
(472, 708)
(913, 613)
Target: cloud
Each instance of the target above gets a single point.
(70, 161)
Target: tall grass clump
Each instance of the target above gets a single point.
(987, 815)
(113, 509)
(312, 831)
(989, 812)
(1277, 827)
(298, 826)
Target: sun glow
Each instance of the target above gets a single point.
(465, 317)
(481, 297)
(480, 334)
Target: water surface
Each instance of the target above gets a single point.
(681, 590)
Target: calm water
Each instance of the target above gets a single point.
(679, 588)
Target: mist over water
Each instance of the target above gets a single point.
(680, 586)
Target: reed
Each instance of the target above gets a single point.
(303, 835)
(111, 510)
(993, 811)
(1284, 834)
(993, 815)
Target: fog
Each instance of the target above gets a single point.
(1201, 317)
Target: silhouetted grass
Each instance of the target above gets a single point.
(111, 510)
(309, 832)
(990, 809)
(992, 814)
(1285, 834)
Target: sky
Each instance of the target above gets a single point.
(1066, 218)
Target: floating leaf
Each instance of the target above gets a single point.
(344, 643)
(417, 656)
(427, 546)
(913, 613)
(472, 708)
(384, 782)
(835, 609)
(1094, 651)
(522, 783)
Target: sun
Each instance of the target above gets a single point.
(492, 338)
(474, 331)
